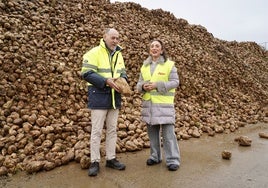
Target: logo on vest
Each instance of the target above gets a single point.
(161, 73)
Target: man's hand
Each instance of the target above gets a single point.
(110, 82)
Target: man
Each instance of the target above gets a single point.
(101, 66)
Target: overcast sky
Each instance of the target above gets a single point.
(231, 20)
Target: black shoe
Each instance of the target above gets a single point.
(173, 167)
(151, 162)
(115, 164)
(94, 169)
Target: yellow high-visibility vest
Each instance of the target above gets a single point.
(161, 73)
(99, 60)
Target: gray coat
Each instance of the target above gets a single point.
(154, 114)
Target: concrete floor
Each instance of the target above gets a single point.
(202, 166)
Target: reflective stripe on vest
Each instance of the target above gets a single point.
(104, 65)
(161, 73)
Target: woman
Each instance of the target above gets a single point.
(158, 81)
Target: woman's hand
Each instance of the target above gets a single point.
(149, 86)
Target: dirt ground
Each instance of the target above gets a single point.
(202, 166)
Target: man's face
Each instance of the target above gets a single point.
(112, 39)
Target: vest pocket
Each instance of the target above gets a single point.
(99, 98)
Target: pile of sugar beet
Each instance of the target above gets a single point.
(44, 120)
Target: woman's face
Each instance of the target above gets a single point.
(155, 49)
